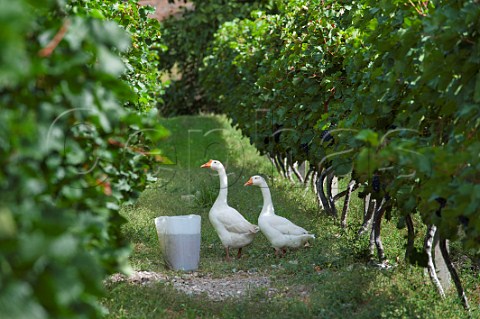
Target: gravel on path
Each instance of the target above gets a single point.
(239, 284)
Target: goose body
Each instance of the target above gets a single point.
(280, 232)
(232, 228)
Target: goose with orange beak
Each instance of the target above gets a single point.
(232, 228)
(280, 232)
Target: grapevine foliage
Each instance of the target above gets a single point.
(70, 154)
(188, 37)
(396, 84)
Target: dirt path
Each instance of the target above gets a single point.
(240, 284)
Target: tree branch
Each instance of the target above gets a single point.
(453, 273)
(376, 229)
(48, 50)
(331, 203)
(346, 203)
(430, 265)
(367, 217)
(410, 236)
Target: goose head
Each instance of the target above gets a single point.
(213, 164)
(256, 180)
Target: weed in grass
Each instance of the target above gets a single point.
(205, 195)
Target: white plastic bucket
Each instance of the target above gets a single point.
(179, 238)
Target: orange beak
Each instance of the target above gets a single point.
(207, 164)
(250, 182)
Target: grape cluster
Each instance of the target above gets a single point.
(376, 183)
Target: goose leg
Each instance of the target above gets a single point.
(239, 255)
(228, 253)
(284, 251)
(276, 252)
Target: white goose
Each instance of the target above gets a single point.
(280, 232)
(232, 228)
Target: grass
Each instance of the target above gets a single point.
(335, 270)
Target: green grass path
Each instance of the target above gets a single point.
(334, 272)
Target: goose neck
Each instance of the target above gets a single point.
(267, 200)
(222, 194)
